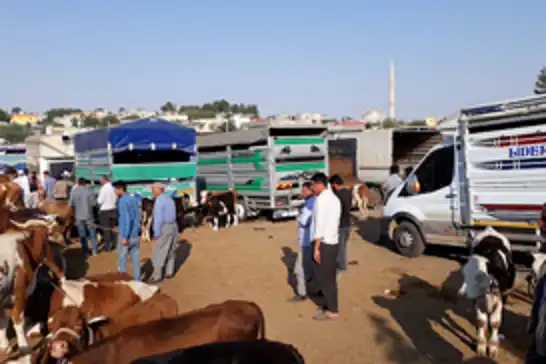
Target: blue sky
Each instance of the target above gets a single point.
(286, 56)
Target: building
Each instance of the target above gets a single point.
(23, 118)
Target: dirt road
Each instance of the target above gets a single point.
(416, 322)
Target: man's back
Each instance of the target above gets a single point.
(393, 181)
(60, 189)
(346, 198)
(81, 200)
(129, 212)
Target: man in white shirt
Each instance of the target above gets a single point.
(325, 235)
(392, 182)
(24, 183)
(107, 213)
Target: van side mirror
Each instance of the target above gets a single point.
(413, 187)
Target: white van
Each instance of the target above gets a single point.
(490, 171)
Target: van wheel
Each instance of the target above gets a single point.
(408, 240)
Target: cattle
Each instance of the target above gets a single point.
(489, 276)
(64, 215)
(256, 351)
(218, 205)
(226, 321)
(182, 205)
(23, 253)
(363, 197)
(10, 195)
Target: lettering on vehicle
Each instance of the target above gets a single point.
(527, 151)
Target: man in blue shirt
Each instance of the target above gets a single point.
(303, 268)
(49, 183)
(165, 234)
(128, 230)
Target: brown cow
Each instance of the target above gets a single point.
(21, 255)
(64, 215)
(363, 196)
(10, 195)
(227, 321)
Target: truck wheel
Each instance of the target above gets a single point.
(241, 211)
(408, 240)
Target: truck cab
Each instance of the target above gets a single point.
(490, 170)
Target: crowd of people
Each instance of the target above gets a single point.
(118, 218)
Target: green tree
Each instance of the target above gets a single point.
(168, 107)
(16, 110)
(417, 123)
(52, 114)
(91, 122)
(390, 123)
(4, 115)
(540, 84)
(15, 133)
(110, 120)
(131, 117)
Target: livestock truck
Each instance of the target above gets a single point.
(490, 170)
(140, 153)
(365, 155)
(265, 165)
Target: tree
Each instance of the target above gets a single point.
(16, 110)
(15, 133)
(109, 120)
(91, 122)
(4, 115)
(417, 123)
(390, 123)
(540, 84)
(168, 107)
(52, 114)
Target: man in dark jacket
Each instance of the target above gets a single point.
(345, 197)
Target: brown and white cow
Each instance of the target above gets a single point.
(226, 321)
(90, 309)
(363, 196)
(10, 195)
(63, 213)
(24, 249)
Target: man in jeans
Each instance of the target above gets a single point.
(325, 235)
(303, 268)
(107, 212)
(82, 201)
(345, 198)
(128, 230)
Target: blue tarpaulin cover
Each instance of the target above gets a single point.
(138, 135)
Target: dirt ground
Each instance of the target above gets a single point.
(416, 322)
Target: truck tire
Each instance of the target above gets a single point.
(408, 240)
(240, 210)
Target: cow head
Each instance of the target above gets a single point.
(70, 332)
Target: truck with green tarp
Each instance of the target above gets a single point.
(265, 165)
(139, 153)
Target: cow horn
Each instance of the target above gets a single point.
(97, 319)
(29, 223)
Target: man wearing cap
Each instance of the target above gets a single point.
(24, 183)
(165, 234)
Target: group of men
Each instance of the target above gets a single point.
(324, 226)
(119, 220)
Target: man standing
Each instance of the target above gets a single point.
(128, 230)
(303, 268)
(61, 190)
(345, 198)
(82, 201)
(393, 181)
(49, 183)
(165, 234)
(24, 184)
(325, 235)
(107, 212)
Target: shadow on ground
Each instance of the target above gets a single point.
(182, 254)
(420, 308)
(288, 258)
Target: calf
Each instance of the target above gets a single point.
(63, 213)
(363, 197)
(219, 205)
(489, 275)
(257, 351)
(227, 321)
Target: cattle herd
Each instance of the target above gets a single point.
(111, 318)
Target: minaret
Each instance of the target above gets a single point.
(392, 93)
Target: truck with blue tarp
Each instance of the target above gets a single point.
(139, 153)
(13, 156)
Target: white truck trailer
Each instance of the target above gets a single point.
(490, 171)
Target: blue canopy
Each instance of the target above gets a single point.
(145, 134)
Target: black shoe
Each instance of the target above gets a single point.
(297, 298)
